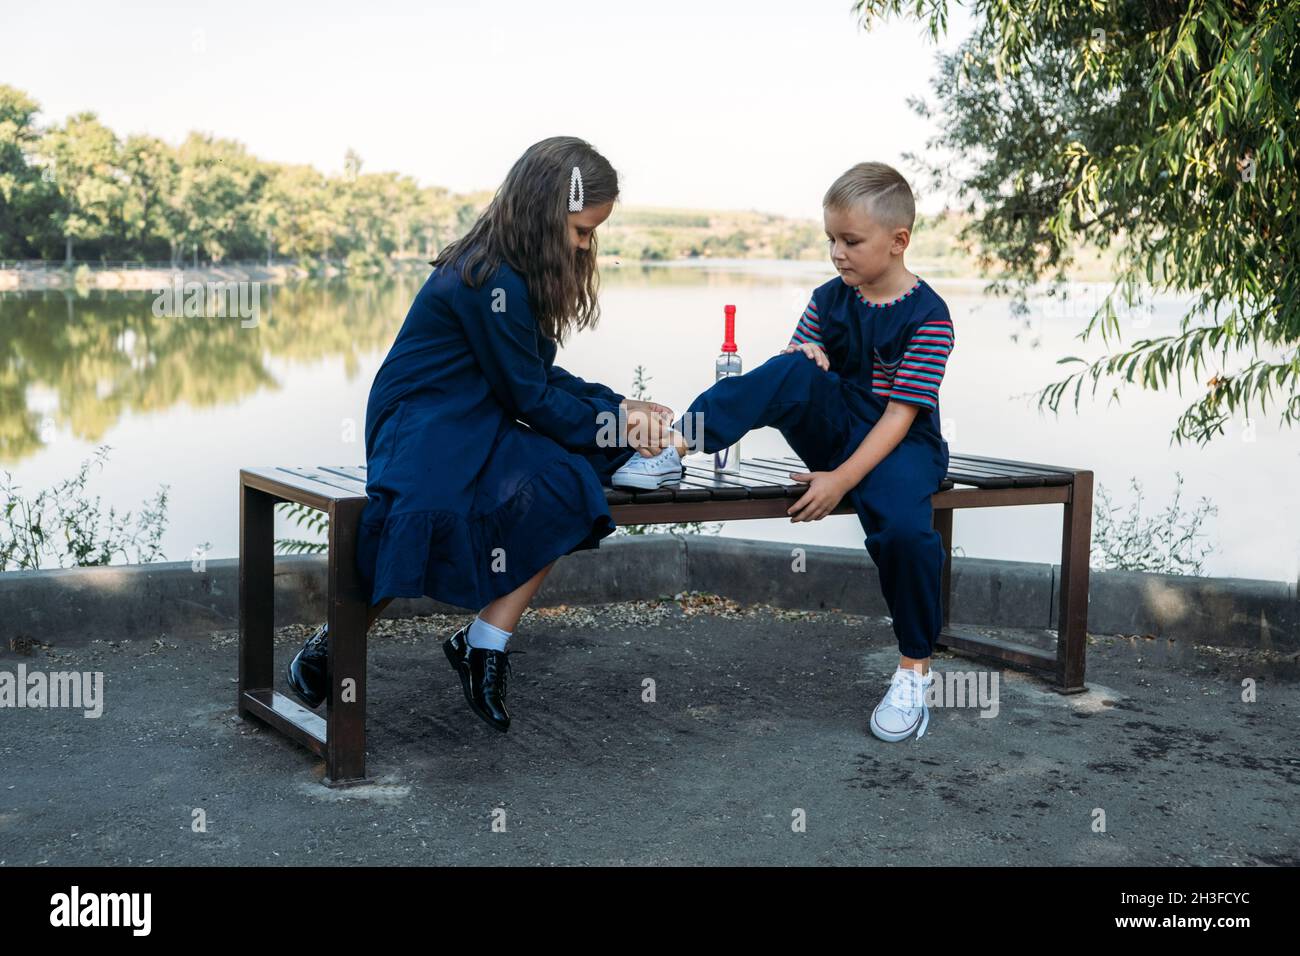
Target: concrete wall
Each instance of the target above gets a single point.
(145, 602)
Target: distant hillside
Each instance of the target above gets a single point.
(654, 233)
(647, 232)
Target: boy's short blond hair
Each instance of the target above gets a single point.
(879, 190)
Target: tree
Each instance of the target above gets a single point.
(219, 189)
(25, 198)
(1164, 130)
(292, 210)
(77, 184)
(152, 171)
(83, 159)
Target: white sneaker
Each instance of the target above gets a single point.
(647, 474)
(904, 707)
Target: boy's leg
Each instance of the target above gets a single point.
(893, 505)
(788, 392)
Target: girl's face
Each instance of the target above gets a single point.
(583, 224)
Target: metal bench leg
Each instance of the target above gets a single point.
(256, 592)
(345, 742)
(1076, 547)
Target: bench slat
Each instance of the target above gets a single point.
(787, 463)
(322, 477)
(762, 482)
(984, 466)
(1067, 471)
(352, 472)
(714, 488)
(315, 493)
(649, 497)
(762, 467)
(964, 477)
(943, 485)
(687, 491)
(779, 475)
(749, 487)
(986, 474)
(993, 473)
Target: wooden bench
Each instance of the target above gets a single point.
(763, 489)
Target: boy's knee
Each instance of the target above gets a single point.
(788, 360)
(801, 369)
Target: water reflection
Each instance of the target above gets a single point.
(81, 360)
(188, 401)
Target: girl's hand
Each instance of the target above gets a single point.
(648, 431)
(814, 352)
(661, 410)
(825, 491)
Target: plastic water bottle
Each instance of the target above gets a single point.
(727, 460)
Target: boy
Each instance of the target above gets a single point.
(856, 395)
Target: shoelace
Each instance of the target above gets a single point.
(907, 690)
(492, 669)
(663, 456)
(316, 646)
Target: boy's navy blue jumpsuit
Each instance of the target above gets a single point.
(878, 353)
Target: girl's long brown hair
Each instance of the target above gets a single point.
(527, 225)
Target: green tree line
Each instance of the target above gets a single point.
(78, 190)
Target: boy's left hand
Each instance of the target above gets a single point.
(813, 351)
(825, 491)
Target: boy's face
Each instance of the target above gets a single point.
(583, 224)
(861, 248)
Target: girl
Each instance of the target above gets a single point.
(486, 462)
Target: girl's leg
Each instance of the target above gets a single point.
(506, 610)
(483, 666)
(375, 611)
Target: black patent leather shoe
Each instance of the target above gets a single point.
(483, 676)
(308, 672)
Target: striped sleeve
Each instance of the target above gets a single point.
(809, 328)
(920, 370)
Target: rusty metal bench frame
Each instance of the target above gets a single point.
(763, 489)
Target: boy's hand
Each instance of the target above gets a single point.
(814, 352)
(825, 491)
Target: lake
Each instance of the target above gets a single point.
(188, 401)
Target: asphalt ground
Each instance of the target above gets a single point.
(681, 731)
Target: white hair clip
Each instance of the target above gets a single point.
(575, 191)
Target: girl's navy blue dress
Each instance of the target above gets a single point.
(483, 462)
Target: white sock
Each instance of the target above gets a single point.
(489, 636)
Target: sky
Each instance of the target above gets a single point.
(720, 105)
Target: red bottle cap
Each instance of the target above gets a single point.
(729, 341)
